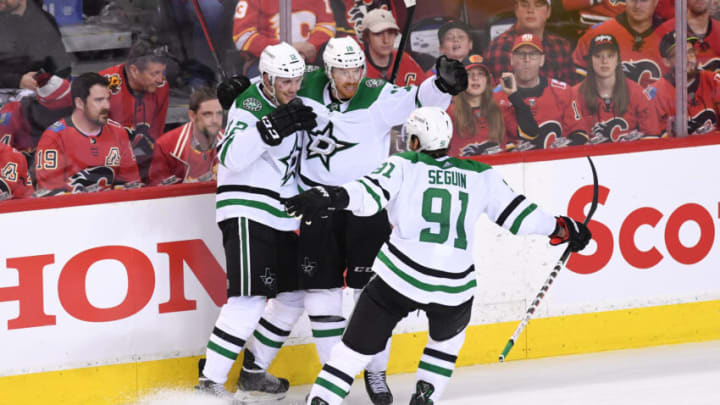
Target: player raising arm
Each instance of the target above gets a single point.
(433, 202)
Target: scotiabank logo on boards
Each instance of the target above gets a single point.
(72, 291)
(641, 259)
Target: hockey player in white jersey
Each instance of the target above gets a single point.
(355, 115)
(433, 203)
(258, 157)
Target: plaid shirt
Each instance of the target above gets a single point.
(558, 56)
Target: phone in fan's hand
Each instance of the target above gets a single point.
(507, 81)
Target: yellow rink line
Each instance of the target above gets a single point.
(544, 337)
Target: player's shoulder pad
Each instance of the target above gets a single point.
(558, 84)
(57, 126)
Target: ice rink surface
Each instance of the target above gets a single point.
(686, 374)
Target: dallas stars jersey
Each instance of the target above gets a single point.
(253, 176)
(641, 60)
(707, 48)
(433, 205)
(703, 101)
(352, 138)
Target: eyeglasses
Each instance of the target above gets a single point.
(527, 55)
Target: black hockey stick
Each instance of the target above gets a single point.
(410, 6)
(203, 26)
(558, 266)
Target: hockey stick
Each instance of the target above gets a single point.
(558, 266)
(203, 26)
(410, 6)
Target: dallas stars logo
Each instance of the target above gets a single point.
(324, 145)
(308, 266)
(290, 162)
(269, 278)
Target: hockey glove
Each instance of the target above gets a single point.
(575, 233)
(285, 120)
(317, 199)
(452, 77)
(229, 89)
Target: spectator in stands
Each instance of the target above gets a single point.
(350, 14)
(86, 151)
(536, 110)
(29, 41)
(187, 153)
(455, 40)
(703, 91)
(594, 11)
(14, 179)
(477, 120)
(633, 29)
(607, 105)
(378, 36)
(703, 27)
(139, 99)
(255, 26)
(532, 16)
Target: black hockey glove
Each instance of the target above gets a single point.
(286, 119)
(452, 77)
(317, 199)
(229, 89)
(576, 233)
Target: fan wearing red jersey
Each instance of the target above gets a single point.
(595, 11)
(703, 91)
(634, 31)
(703, 27)
(187, 154)
(14, 179)
(478, 127)
(139, 98)
(378, 36)
(609, 107)
(256, 26)
(85, 151)
(536, 110)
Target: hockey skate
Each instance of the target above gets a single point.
(377, 388)
(422, 394)
(257, 385)
(210, 387)
(318, 401)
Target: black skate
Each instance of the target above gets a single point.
(422, 394)
(318, 401)
(256, 384)
(377, 388)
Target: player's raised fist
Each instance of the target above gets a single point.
(452, 77)
(285, 120)
(229, 89)
(568, 230)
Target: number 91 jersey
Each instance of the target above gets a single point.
(433, 205)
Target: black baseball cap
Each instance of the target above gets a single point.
(603, 41)
(667, 43)
(453, 24)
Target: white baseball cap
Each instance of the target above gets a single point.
(379, 20)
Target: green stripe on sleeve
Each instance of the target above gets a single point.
(373, 194)
(518, 221)
(421, 285)
(225, 149)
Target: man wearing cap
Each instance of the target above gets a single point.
(705, 29)
(634, 31)
(379, 31)
(455, 40)
(532, 16)
(536, 110)
(703, 91)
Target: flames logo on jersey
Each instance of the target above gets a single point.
(92, 179)
(548, 133)
(115, 83)
(612, 129)
(703, 122)
(712, 65)
(643, 71)
(616, 3)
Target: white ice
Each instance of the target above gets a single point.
(686, 374)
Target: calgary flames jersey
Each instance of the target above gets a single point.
(12, 123)
(69, 160)
(703, 104)
(639, 121)
(409, 71)
(592, 12)
(175, 160)
(14, 179)
(141, 112)
(473, 141)
(707, 48)
(256, 24)
(639, 52)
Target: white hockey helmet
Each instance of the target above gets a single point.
(281, 60)
(342, 53)
(432, 126)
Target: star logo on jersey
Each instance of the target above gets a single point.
(324, 145)
(290, 161)
(308, 266)
(269, 278)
